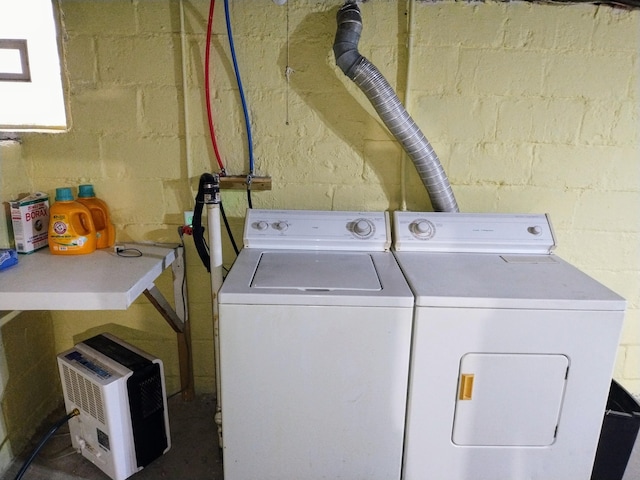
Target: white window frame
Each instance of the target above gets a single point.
(31, 93)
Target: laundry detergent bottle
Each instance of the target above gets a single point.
(105, 231)
(71, 228)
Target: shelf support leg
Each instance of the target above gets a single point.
(178, 319)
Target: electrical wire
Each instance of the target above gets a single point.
(207, 89)
(68, 452)
(287, 72)
(249, 203)
(44, 440)
(128, 252)
(226, 224)
(187, 341)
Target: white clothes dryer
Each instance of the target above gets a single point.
(315, 334)
(513, 350)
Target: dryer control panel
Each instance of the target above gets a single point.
(317, 230)
(500, 233)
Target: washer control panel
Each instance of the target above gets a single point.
(317, 230)
(473, 232)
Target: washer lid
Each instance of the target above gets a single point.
(315, 278)
(316, 271)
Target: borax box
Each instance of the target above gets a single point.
(30, 220)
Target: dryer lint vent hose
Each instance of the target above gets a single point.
(391, 111)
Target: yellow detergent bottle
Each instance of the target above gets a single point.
(71, 228)
(105, 231)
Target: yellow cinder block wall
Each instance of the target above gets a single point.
(28, 386)
(531, 108)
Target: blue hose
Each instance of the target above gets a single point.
(239, 81)
(44, 440)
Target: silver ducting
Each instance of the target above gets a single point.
(391, 111)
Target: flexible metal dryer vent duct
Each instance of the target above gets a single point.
(390, 109)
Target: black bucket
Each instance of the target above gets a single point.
(618, 435)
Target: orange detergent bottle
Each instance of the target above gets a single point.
(105, 231)
(71, 228)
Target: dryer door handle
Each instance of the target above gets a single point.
(466, 386)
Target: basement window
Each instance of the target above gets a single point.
(31, 91)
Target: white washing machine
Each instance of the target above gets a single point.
(513, 350)
(315, 334)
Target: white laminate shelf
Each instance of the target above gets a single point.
(97, 281)
(102, 280)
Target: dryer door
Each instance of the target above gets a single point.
(509, 399)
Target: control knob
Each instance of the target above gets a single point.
(422, 229)
(281, 225)
(362, 228)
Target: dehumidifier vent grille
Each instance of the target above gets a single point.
(85, 394)
(151, 395)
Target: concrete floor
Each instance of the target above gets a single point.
(194, 452)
